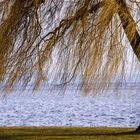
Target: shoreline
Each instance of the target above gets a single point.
(66, 133)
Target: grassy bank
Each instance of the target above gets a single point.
(67, 133)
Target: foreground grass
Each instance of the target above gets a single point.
(67, 133)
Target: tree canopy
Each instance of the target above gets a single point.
(67, 40)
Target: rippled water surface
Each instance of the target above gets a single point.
(42, 109)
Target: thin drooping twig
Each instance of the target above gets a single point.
(83, 38)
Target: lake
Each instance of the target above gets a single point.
(22, 108)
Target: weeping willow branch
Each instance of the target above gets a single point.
(63, 40)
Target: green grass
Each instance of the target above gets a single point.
(67, 133)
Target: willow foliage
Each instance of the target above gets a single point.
(65, 41)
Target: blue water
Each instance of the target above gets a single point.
(22, 108)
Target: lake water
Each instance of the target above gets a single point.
(25, 109)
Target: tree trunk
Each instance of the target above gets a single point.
(138, 129)
(129, 27)
(130, 30)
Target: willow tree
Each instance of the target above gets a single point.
(67, 40)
